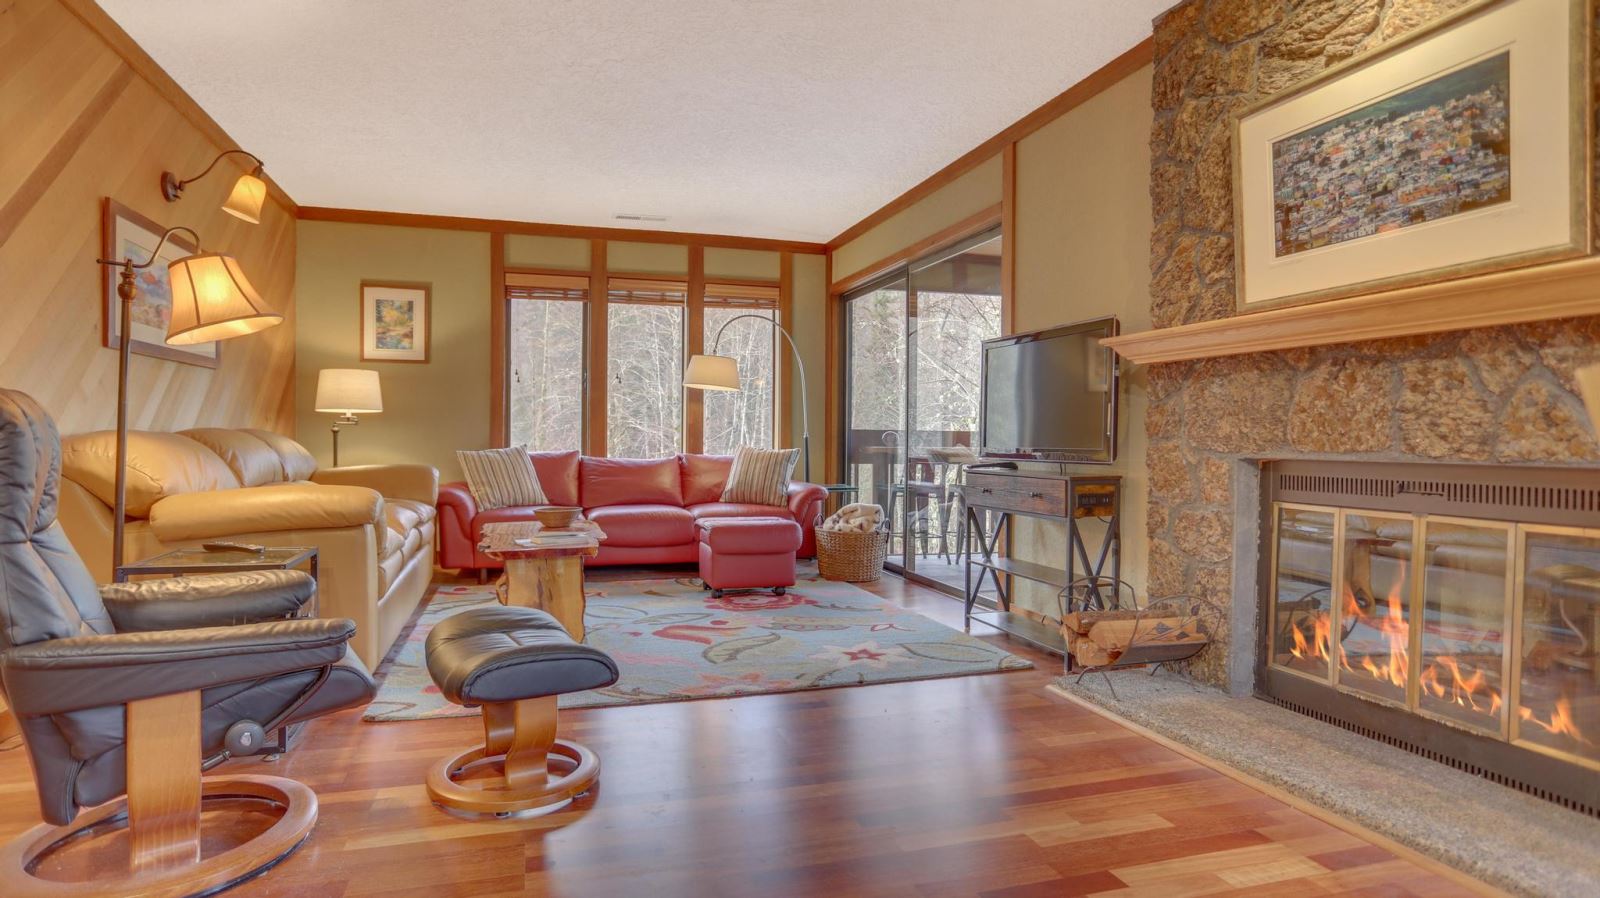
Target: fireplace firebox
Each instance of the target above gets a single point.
(1451, 610)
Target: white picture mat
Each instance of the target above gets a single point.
(1537, 217)
(418, 298)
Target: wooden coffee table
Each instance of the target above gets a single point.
(549, 578)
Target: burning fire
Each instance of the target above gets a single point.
(1561, 722)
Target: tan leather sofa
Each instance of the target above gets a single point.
(373, 526)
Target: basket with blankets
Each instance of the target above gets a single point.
(851, 544)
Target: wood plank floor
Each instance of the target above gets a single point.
(975, 786)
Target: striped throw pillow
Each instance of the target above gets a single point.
(501, 477)
(760, 476)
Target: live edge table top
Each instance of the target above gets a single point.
(500, 540)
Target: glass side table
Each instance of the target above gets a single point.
(195, 560)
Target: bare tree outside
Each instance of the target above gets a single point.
(546, 383)
(744, 418)
(644, 397)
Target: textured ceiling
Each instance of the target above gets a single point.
(772, 118)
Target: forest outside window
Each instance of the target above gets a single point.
(746, 417)
(644, 367)
(546, 320)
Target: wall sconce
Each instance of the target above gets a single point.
(249, 192)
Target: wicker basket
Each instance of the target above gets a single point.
(851, 557)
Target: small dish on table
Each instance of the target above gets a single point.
(557, 517)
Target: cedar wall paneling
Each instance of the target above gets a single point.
(78, 124)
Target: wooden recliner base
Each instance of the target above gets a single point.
(162, 810)
(520, 737)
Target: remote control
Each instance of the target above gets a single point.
(223, 546)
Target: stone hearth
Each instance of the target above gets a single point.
(1501, 395)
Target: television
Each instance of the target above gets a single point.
(1051, 395)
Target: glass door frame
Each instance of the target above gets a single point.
(903, 273)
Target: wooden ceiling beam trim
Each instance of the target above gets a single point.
(543, 229)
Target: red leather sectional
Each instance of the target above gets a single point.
(646, 506)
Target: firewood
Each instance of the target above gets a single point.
(1087, 654)
(1119, 634)
(1084, 621)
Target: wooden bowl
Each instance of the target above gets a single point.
(557, 518)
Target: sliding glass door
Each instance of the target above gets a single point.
(912, 347)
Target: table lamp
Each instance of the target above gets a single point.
(721, 372)
(347, 392)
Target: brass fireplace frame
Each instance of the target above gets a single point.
(1520, 501)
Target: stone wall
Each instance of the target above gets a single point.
(1493, 395)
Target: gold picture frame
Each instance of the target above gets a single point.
(1476, 64)
(396, 321)
(126, 234)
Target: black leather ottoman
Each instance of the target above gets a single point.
(514, 662)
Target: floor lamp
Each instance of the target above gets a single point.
(721, 372)
(211, 300)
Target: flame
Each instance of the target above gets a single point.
(1396, 632)
(1561, 721)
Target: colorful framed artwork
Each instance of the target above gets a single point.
(125, 234)
(394, 321)
(1460, 149)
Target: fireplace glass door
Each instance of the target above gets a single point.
(1558, 685)
(1466, 589)
(1302, 608)
(1374, 609)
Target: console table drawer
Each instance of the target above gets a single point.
(1037, 495)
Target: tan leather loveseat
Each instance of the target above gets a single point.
(373, 526)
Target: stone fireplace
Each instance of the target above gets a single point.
(1450, 609)
(1466, 401)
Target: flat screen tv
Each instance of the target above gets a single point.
(1051, 395)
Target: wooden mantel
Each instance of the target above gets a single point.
(1556, 290)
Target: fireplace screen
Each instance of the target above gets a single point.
(1487, 626)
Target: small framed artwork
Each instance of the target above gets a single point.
(1460, 149)
(394, 321)
(125, 234)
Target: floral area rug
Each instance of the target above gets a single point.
(673, 641)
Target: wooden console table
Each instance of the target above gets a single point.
(992, 496)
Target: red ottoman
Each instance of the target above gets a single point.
(747, 553)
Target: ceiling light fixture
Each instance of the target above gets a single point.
(243, 202)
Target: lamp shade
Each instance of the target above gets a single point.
(1589, 388)
(712, 372)
(213, 300)
(249, 192)
(348, 391)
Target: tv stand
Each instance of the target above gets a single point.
(992, 496)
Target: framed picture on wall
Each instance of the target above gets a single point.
(1459, 149)
(394, 321)
(125, 234)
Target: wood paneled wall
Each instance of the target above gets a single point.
(79, 121)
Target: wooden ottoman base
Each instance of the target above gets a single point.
(519, 738)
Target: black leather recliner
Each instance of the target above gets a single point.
(76, 659)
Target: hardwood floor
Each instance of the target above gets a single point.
(974, 786)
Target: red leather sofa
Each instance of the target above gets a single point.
(646, 506)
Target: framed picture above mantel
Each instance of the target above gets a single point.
(395, 321)
(1459, 149)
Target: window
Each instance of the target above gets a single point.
(745, 418)
(644, 367)
(545, 354)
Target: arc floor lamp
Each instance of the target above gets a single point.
(211, 300)
(721, 372)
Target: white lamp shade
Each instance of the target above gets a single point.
(213, 300)
(348, 391)
(1589, 389)
(249, 192)
(712, 372)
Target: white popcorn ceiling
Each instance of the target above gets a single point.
(772, 119)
